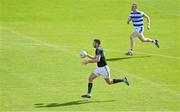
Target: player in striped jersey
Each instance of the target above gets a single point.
(136, 17)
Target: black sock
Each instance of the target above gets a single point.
(117, 80)
(89, 87)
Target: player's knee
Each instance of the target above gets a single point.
(109, 82)
(89, 79)
(131, 37)
(143, 40)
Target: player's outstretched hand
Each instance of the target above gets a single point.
(85, 62)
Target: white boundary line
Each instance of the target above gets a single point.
(148, 82)
(37, 42)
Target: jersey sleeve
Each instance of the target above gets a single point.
(142, 14)
(98, 52)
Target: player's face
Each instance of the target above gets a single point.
(95, 44)
(134, 7)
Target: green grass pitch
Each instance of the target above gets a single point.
(40, 67)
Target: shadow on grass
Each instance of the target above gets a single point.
(71, 103)
(124, 58)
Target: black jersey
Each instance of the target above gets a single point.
(102, 61)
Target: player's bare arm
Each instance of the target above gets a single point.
(129, 20)
(148, 21)
(90, 56)
(94, 60)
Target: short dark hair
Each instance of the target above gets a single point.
(97, 41)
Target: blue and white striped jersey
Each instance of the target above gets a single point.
(137, 18)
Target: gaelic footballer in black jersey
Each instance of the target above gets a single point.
(102, 68)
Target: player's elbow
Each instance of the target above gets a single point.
(97, 60)
(147, 17)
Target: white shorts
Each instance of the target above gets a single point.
(104, 71)
(139, 30)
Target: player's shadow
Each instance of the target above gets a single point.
(124, 58)
(71, 103)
